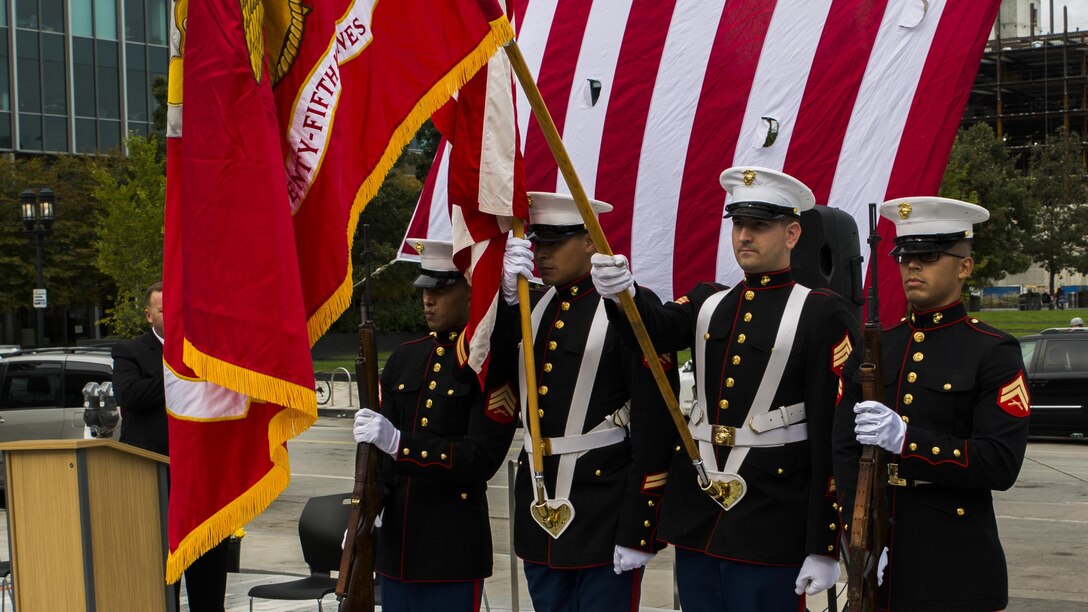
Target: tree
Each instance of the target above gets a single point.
(130, 230)
(1060, 187)
(980, 170)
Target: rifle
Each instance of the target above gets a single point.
(869, 526)
(355, 584)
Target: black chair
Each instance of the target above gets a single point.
(6, 584)
(320, 531)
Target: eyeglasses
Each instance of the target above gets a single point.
(930, 257)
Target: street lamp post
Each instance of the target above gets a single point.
(37, 212)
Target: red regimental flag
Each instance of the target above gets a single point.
(293, 114)
(486, 190)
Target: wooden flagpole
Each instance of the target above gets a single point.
(566, 166)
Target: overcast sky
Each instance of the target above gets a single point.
(1078, 14)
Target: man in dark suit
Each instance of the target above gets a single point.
(137, 379)
(138, 386)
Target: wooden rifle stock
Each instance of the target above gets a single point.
(355, 585)
(869, 523)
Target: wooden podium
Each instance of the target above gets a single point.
(87, 525)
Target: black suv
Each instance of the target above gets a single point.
(1057, 365)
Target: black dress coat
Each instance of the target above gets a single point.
(138, 387)
(960, 386)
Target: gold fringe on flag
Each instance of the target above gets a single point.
(501, 33)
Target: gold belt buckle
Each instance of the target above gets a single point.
(725, 493)
(893, 476)
(722, 435)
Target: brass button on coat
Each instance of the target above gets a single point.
(437, 367)
(913, 446)
(423, 422)
(905, 418)
(706, 336)
(543, 390)
(443, 455)
(428, 403)
(560, 325)
(553, 345)
(464, 496)
(736, 360)
(919, 336)
(918, 356)
(400, 387)
(574, 290)
(441, 351)
(947, 386)
(432, 385)
(597, 473)
(747, 317)
(956, 453)
(547, 367)
(645, 523)
(723, 404)
(449, 391)
(749, 295)
(405, 451)
(741, 338)
(729, 382)
(960, 512)
(908, 399)
(423, 454)
(911, 377)
(936, 450)
(565, 306)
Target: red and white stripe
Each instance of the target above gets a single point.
(486, 187)
(867, 95)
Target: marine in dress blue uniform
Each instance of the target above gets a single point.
(444, 439)
(763, 412)
(954, 418)
(600, 415)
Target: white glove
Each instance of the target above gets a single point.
(377, 430)
(517, 261)
(612, 275)
(626, 559)
(877, 425)
(880, 565)
(818, 573)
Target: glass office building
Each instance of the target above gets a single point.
(75, 75)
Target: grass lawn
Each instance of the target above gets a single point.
(346, 361)
(1024, 322)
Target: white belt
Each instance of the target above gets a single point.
(775, 428)
(612, 430)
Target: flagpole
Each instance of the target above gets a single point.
(562, 159)
(531, 398)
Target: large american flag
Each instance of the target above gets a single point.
(654, 98)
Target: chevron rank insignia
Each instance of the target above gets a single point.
(654, 481)
(841, 353)
(683, 299)
(1013, 397)
(502, 405)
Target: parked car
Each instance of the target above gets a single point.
(1057, 364)
(9, 349)
(41, 392)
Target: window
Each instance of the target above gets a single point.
(86, 136)
(83, 87)
(77, 375)
(1064, 356)
(109, 136)
(1027, 351)
(30, 132)
(30, 385)
(5, 131)
(109, 88)
(156, 21)
(134, 20)
(82, 18)
(30, 94)
(52, 15)
(5, 78)
(54, 94)
(26, 13)
(105, 19)
(56, 133)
